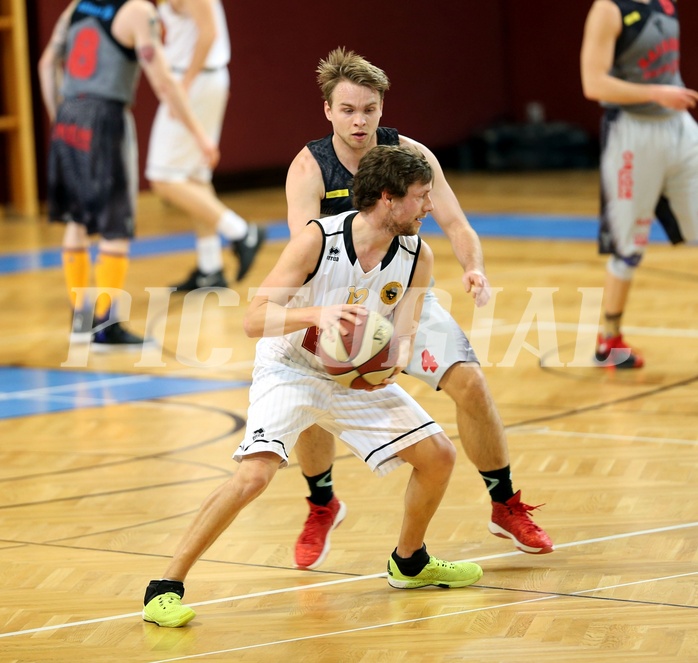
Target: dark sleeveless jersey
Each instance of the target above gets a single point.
(337, 179)
(96, 65)
(647, 50)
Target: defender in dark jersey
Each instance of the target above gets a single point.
(99, 46)
(319, 182)
(649, 157)
(335, 176)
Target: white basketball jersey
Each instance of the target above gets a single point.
(181, 34)
(339, 279)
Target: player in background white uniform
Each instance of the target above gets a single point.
(197, 45)
(321, 275)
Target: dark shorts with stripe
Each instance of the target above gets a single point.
(92, 167)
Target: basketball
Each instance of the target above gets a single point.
(364, 357)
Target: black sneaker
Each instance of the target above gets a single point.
(81, 331)
(246, 249)
(115, 337)
(197, 279)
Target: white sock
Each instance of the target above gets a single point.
(231, 225)
(209, 254)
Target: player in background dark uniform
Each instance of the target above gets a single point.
(649, 151)
(88, 74)
(319, 181)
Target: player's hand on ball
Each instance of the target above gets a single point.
(403, 359)
(363, 356)
(478, 286)
(332, 316)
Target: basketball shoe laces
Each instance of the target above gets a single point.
(319, 522)
(521, 511)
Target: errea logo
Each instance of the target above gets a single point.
(333, 254)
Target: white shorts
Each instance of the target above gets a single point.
(439, 344)
(285, 401)
(645, 159)
(173, 154)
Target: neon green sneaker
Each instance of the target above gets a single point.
(167, 610)
(437, 572)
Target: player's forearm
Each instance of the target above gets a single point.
(48, 83)
(605, 88)
(267, 318)
(466, 247)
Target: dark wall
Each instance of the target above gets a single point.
(455, 66)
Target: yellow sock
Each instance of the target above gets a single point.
(110, 272)
(76, 269)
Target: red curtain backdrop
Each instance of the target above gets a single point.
(455, 66)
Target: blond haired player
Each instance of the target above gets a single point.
(319, 182)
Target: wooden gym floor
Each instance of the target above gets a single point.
(105, 458)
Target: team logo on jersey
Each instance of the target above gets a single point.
(391, 293)
(429, 362)
(333, 254)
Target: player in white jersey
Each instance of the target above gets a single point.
(197, 45)
(304, 294)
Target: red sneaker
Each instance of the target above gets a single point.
(314, 542)
(511, 520)
(614, 351)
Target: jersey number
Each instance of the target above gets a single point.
(357, 295)
(82, 61)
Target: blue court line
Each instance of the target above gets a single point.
(25, 391)
(526, 226)
(32, 391)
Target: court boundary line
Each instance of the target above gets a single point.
(538, 599)
(328, 583)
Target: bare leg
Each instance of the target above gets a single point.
(611, 348)
(615, 294)
(410, 565)
(432, 460)
(479, 425)
(220, 509)
(198, 199)
(211, 219)
(315, 451)
(484, 441)
(75, 236)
